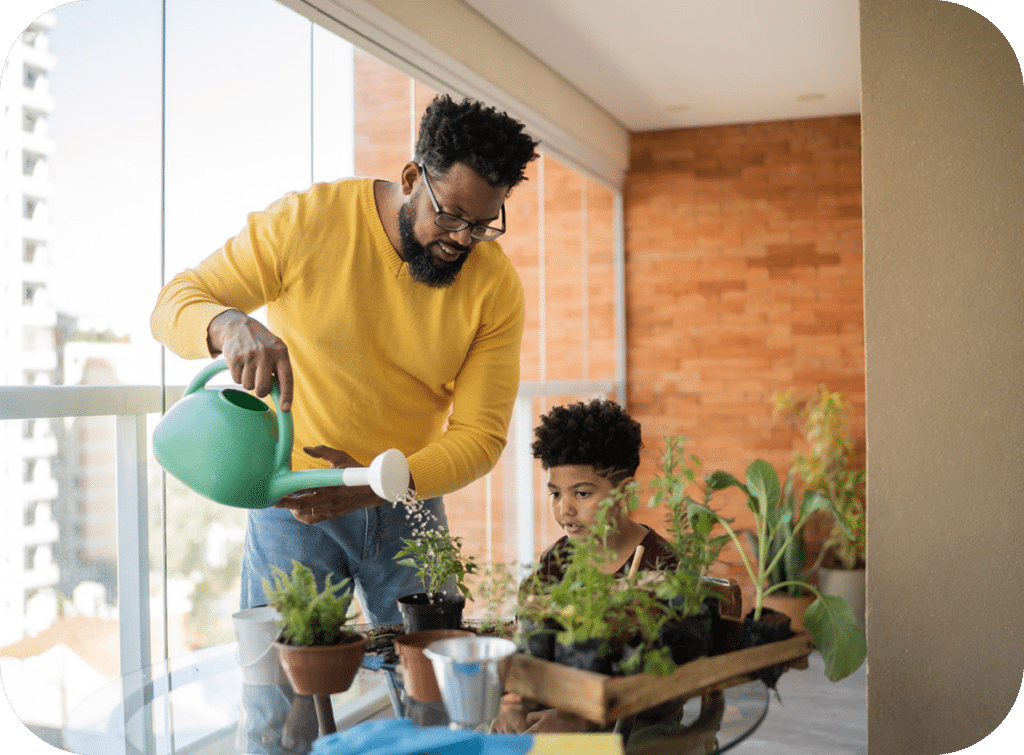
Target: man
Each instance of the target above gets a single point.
(389, 305)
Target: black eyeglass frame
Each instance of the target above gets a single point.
(489, 231)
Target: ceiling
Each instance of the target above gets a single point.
(658, 64)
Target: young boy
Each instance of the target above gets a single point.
(588, 450)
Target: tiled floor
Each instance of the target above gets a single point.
(815, 717)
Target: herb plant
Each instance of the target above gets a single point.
(309, 617)
(690, 529)
(436, 554)
(589, 604)
(829, 619)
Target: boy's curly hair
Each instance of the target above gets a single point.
(597, 433)
(493, 144)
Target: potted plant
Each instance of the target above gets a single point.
(828, 619)
(786, 550)
(596, 621)
(320, 654)
(829, 466)
(436, 554)
(694, 621)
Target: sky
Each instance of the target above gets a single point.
(238, 135)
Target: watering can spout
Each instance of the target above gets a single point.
(226, 445)
(387, 476)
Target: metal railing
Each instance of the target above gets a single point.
(130, 405)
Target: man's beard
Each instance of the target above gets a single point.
(423, 267)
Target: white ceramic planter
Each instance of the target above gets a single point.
(847, 583)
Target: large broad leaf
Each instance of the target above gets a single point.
(763, 484)
(722, 480)
(814, 501)
(830, 622)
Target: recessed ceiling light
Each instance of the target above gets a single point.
(811, 97)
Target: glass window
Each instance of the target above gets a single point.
(132, 161)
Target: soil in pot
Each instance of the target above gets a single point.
(417, 670)
(773, 626)
(689, 638)
(590, 655)
(439, 611)
(322, 669)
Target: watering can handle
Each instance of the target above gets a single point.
(285, 435)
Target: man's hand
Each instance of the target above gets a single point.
(557, 721)
(321, 504)
(511, 716)
(253, 354)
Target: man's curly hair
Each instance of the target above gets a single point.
(491, 143)
(598, 433)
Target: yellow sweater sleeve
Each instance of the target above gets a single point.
(380, 361)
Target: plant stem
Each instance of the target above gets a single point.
(758, 589)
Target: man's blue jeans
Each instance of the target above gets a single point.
(361, 546)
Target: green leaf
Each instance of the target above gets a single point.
(722, 480)
(763, 486)
(814, 501)
(832, 626)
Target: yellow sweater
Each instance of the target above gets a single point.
(379, 360)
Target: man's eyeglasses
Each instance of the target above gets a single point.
(453, 223)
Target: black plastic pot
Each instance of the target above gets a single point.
(538, 641)
(440, 611)
(773, 626)
(688, 638)
(589, 655)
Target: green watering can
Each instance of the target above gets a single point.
(225, 444)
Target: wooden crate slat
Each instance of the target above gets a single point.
(603, 699)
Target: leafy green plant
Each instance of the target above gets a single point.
(589, 604)
(690, 529)
(786, 551)
(497, 588)
(437, 557)
(829, 619)
(829, 467)
(310, 617)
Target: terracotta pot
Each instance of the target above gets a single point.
(417, 670)
(322, 669)
(440, 611)
(846, 583)
(791, 605)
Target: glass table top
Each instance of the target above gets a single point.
(199, 705)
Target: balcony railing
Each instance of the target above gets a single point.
(131, 404)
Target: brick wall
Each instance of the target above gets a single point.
(743, 277)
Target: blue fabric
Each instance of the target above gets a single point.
(360, 546)
(400, 736)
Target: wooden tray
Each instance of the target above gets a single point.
(603, 699)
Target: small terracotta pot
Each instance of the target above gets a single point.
(791, 605)
(322, 669)
(417, 670)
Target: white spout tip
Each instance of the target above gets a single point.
(389, 475)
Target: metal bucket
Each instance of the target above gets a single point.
(471, 675)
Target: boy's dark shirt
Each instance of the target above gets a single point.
(657, 556)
